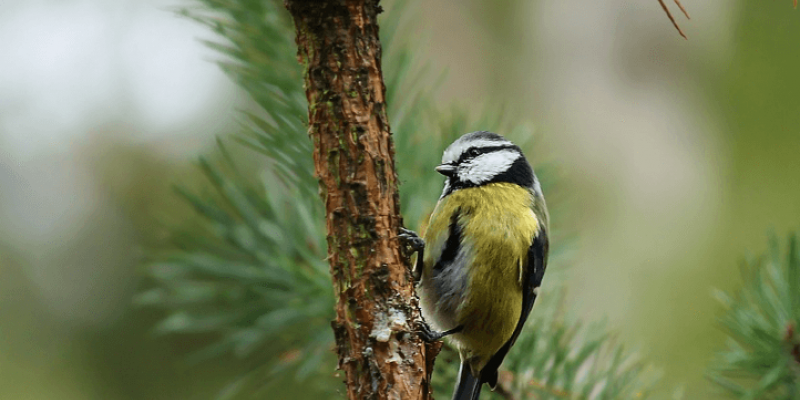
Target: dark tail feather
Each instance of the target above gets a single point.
(468, 387)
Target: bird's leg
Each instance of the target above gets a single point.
(416, 244)
(429, 335)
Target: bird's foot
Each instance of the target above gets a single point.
(412, 243)
(426, 333)
(411, 239)
(429, 335)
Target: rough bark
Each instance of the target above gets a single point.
(338, 44)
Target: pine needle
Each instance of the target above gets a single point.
(672, 19)
(684, 10)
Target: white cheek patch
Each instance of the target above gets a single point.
(486, 166)
(454, 151)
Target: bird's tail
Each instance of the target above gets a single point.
(468, 387)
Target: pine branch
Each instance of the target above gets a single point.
(761, 361)
(251, 268)
(560, 359)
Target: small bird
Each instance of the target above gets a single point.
(483, 256)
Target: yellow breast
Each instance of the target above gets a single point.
(497, 227)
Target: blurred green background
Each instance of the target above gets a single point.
(675, 159)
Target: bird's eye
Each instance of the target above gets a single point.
(474, 152)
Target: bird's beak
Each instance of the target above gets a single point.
(446, 169)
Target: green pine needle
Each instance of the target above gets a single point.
(762, 360)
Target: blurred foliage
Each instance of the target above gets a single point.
(250, 269)
(762, 360)
(557, 358)
(757, 99)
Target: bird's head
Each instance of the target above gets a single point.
(480, 158)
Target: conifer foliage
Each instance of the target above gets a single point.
(762, 359)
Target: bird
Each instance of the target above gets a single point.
(482, 258)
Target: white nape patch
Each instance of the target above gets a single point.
(537, 187)
(454, 151)
(486, 166)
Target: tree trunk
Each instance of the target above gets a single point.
(338, 44)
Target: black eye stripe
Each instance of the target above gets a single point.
(483, 150)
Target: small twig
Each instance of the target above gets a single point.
(686, 13)
(672, 19)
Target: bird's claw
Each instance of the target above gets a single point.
(413, 244)
(427, 334)
(411, 239)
